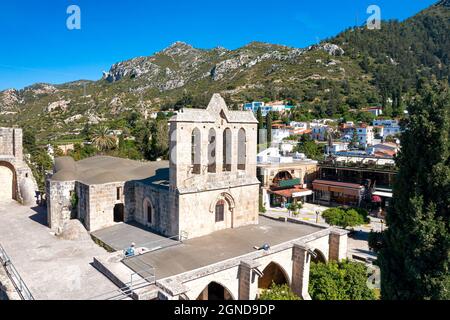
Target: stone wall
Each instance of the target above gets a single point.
(197, 210)
(11, 143)
(59, 206)
(101, 202)
(163, 203)
(11, 156)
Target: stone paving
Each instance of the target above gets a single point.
(52, 268)
(121, 235)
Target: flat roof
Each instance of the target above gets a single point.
(219, 246)
(105, 169)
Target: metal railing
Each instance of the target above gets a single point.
(14, 275)
(160, 244)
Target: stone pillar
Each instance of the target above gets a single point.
(17, 147)
(248, 280)
(300, 270)
(337, 244)
(170, 290)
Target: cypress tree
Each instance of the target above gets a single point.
(269, 128)
(260, 119)
(415, 255)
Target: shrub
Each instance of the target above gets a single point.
(345, 217)
(278, 292)
(345, 280)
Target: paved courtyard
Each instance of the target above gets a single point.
(219, 246)
(357, 244)
(121, 235)
(52, 268)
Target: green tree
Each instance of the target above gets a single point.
(414, 260)
(345, 280)
(260, 122)
(102, 140)
(345, 217)
(278, 292)
(310, 148)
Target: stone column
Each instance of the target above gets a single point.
(300, 270)
(248, 280)
(337, 244)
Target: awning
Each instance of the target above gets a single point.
(383, 194)
(292, 192)
(351, 189)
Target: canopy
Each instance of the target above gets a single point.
(376, 199)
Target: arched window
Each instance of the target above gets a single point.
(196, 151)
(227, 150)
(148, 211)
(242, 149)
(212, 151)
(220, 211)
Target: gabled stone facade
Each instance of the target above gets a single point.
(209, 183)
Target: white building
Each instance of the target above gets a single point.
(319, 131)
(279, 134)
(337, 147)
(365, 135)
(277, 106)
(390, 127)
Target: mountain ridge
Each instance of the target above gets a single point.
(350, 70)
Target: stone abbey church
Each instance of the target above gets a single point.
(208, 184)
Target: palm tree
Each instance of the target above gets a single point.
(102, 140)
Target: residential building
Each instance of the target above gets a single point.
(277, 106)
(285, 179)
(365, 135)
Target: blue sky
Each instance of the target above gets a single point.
(36, 45)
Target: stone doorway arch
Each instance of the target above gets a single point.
(8, 182)
(228, 202)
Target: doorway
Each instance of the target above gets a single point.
(119, 212)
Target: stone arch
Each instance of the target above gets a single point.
(149, 212)
(223, 196)
(196, 155)
(227, 149)
(242, 149)
(282, 175)
(8, 187)
(212, 142)
(223, 207)
(273, 272)
(215, 291)
(320, 257)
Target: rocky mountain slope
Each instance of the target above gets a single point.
(356, 68)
